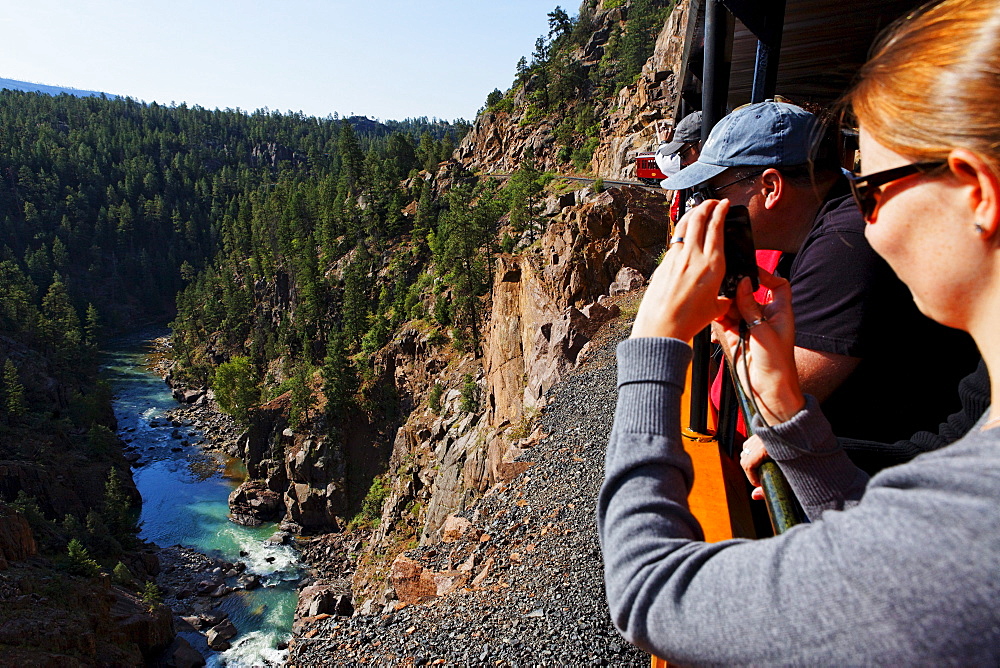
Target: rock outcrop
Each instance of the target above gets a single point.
(630, 125)
(294, 476)
(547, 303)
(46, 617)
(499, 141)
(17, 543)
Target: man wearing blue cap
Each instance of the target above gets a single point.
(860, 341)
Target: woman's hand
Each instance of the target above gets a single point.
(683, 294)
(753, 455)
(773, 379)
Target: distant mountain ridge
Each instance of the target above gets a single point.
(14, 84)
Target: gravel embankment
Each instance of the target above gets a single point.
(542, 601)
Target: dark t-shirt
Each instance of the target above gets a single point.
(848, 301)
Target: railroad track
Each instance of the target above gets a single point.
(587, 179)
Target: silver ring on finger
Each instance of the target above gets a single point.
(676, 240)
(756, 321)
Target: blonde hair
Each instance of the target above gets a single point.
(933, 83)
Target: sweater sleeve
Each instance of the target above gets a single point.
(816, 466)
(859, 586)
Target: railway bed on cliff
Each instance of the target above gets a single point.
(538, 598)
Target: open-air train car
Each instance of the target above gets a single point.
(737, 52)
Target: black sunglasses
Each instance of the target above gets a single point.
(866, 188)
(707, 192)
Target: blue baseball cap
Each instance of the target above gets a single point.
(765, 134)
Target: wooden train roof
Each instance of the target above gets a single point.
(824, 43)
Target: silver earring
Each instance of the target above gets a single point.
(979, 229)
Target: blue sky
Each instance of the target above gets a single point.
(386, 59)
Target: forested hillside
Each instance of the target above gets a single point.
(109, 207)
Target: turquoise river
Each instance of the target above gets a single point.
(184, 501)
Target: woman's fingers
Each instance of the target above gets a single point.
(682, 296)
(753, 455)
(715, 230)
(697, 222)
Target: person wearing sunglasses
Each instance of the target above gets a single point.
(683, 149)
(898, 569)
(857, 327)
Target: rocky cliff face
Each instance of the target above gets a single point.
(499, 141)
(630, 124)
(48, 617)
(17, 543)
(547, 303)
(58, 468)
(296, 476)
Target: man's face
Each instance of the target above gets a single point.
(689, 154)
(740, 185)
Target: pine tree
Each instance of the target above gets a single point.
(92, 328)
(356, 299)
(60, 324)
(14, 405)
(339, 381)
(117, 511)
(80, 562)
(302, 398)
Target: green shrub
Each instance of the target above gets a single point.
(236, 388)
(434, 400)
(470, 394)
(442, 311)
(80, 562)
(151, 594)
(28, 507)
(582, 156)
(121, 575)
(508, 243)
(598, 185)
(371, 506)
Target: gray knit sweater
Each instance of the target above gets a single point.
(903, 569)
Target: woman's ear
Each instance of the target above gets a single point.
(982, 187)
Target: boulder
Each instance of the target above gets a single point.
(627, 280)
(252, 503)
(180, 654)
(224, 629)
(455, 528)
(216, 641)
(248, 581)
(324, 599)
(211, 618)
(412, 583)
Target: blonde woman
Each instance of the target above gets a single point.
(903, 568)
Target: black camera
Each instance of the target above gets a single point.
(741, 257)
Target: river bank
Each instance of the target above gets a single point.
(231, 589)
